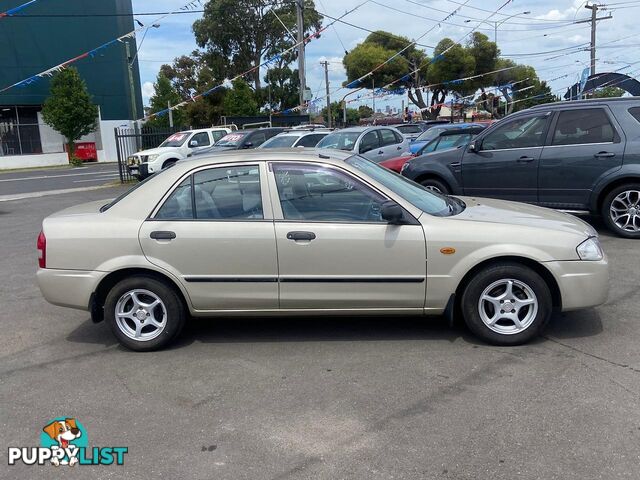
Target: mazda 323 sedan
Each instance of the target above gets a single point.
(314, 232)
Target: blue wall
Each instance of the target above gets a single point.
(31, 45)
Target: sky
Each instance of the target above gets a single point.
(545, 38)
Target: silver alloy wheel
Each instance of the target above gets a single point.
(433, 189)
(625, 211)
(508, 306)
(141, 315)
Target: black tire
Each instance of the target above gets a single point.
(500, 272)
(173, 321)
(168, 164)
(606, 209)
(435, 184)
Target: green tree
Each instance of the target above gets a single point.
(236, 35)
(165, 94)
(282, 88)
(337, 114)
(240, 100)
(69, 109)
(608, 92)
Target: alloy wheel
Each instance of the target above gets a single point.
(508, 306)
(625, 211)
(140, 315)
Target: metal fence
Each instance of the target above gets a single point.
(132, 140)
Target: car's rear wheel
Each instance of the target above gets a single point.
(621, 210)
(144, 313)
(507, 304)
(435, 185)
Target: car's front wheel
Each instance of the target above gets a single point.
(506, 304)
(621, 210)
(435, 185)
(144, 313)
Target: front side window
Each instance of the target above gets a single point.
(340, 140)
(451, 141)
(202, 138)
(222, 193)
(257, 139)
(524, 132)
(317, 193)
(280, 141)
(311, 140)
(586, 125)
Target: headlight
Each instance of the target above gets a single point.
(132, 160)
(151, 158)
(590, 250)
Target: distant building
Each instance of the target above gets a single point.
(32, 45)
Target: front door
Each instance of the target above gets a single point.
(335, 251)
(505, 161)
(585, 144)
(214, 232)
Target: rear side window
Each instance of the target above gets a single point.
(387, 137)
(583, 126)
(223, 193)
(218, 134)
(258, 138)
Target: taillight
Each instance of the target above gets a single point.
(42, 250)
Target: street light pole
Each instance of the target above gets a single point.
(496, 24)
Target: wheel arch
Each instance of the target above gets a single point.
(539, 268)
(108, 282)
(172, 159)
(434, 176)
(613, 184)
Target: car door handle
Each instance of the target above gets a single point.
(604, 155)
(524, 159)
(380, 152)
(163, 235)
(398, 148)
(299, 236)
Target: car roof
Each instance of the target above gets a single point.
(586, 101)
(456, 126)
(363, 128)
(302, 133)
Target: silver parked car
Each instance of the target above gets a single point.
(286, 232)
(375, 143)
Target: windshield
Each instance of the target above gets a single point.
(340, 140)
(232, 140)
(430, 134)
(280, 141)
(176, 140)
(409, 128)
(426, 200)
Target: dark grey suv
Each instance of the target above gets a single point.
(578, 156)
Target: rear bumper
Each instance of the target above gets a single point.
(582, 284)
(68, 288)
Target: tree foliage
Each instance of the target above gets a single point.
(608, 92)
(240, 100)
(69, 109)
(165, 94)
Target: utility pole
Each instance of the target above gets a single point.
(326, 81)
(593, 20)
(301, 73)
(134, 107)
(170, 114)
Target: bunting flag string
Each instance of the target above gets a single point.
(14, 10)
(227, 83)
(92, 53)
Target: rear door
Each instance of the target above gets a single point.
(505, 163)
(214, 232)
(334, 250)
(584, 144)
(391, 144)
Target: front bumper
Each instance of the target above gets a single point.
(582, 284)
(68, 288)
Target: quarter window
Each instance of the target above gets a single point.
(321, 194)
(586, 125)
(519, 133)
(223, 193)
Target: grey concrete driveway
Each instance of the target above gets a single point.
(309, 398)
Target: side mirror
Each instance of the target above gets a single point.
(392, 213)
(474, 147)
(193, 144)
(248, 145)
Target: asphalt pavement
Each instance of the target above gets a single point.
(321, 398)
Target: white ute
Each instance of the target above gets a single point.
(177, 147)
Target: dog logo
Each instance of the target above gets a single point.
(64, 432)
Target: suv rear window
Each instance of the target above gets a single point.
(583, 126)
(635, 113)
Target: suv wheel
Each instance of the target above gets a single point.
(506, 304)
(435, 185)
(621, 210)
(144, 313)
